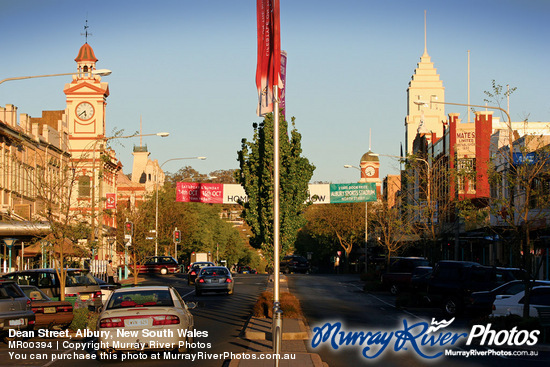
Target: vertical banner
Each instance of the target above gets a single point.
(282, 105)
(110, 201)
(269, 53)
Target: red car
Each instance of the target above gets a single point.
(49, 314)
(159, 264)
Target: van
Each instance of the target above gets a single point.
(79, 284)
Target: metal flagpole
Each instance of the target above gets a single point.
(277, 312)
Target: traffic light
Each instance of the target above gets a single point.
(128, 228)
(177, 236)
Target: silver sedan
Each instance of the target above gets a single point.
(146, 318)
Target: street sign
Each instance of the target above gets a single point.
(352, 193)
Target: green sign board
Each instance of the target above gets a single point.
(352, 192)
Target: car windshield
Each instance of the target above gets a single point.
(140, 298)
(76, 278)
(35, 294)
(213, 271)
(201, 265)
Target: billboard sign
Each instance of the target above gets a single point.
(352, 193)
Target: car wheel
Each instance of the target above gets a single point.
(164, 271)
(394, 289)
(451, 306)
(185, 348)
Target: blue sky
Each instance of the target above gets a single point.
(188, 67)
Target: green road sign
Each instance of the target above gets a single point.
(352, 192)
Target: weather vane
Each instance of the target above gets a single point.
(86, 31)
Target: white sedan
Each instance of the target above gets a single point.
(146, 318)
(505, 305)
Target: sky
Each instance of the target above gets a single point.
(188, 68)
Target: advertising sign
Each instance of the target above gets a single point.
(352, 193)
(196, 192)
(234, 193)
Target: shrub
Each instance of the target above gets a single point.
(84, 319)
(289, 305)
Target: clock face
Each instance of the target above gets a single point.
(369, 171)
(84, 111)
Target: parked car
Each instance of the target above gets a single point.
(294, 264)
(79, 284)
(505, 305)
(15, 309)
(400, 271)
(214, 279)
(159, 264)
(481, 303)
(49, 314)
(148, 312)
(194, 269)
(246, 270)
(452, 282)
(106, 289)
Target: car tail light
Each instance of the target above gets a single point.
(64, 308)
(97, 294)
(165, 320)
(111, 322)
(494, 308)
(37, 310)
(28, 303)
(200, 280)
(193, 273)
(32, 322)
(70, 294)
(229, 280)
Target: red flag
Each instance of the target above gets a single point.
(110, 201)
(269, 53)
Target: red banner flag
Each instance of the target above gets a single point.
(110, 201)
(269, 53)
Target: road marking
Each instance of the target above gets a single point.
(387, 303)
(55, 360)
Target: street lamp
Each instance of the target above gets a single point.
(157, 198)
(428, 172)
(100, 176)
(100, 72)
(366, 219)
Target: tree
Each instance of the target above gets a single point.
(391, 228)
(343, 224)
(57, 184)
(256, 176)
(521, 195)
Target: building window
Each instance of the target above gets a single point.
(84, 187)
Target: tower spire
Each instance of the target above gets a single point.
(425, 36)
(86, 34)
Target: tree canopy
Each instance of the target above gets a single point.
(256, 176)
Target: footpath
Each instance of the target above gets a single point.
(296, 335)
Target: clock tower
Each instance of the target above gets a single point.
(370, 170)
(86, 101)
(96, 166)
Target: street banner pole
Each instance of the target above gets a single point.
(277, 312)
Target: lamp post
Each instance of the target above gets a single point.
(366, 220)
(100, 72)
(157, 198)
(100, 177)
(428, 173)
